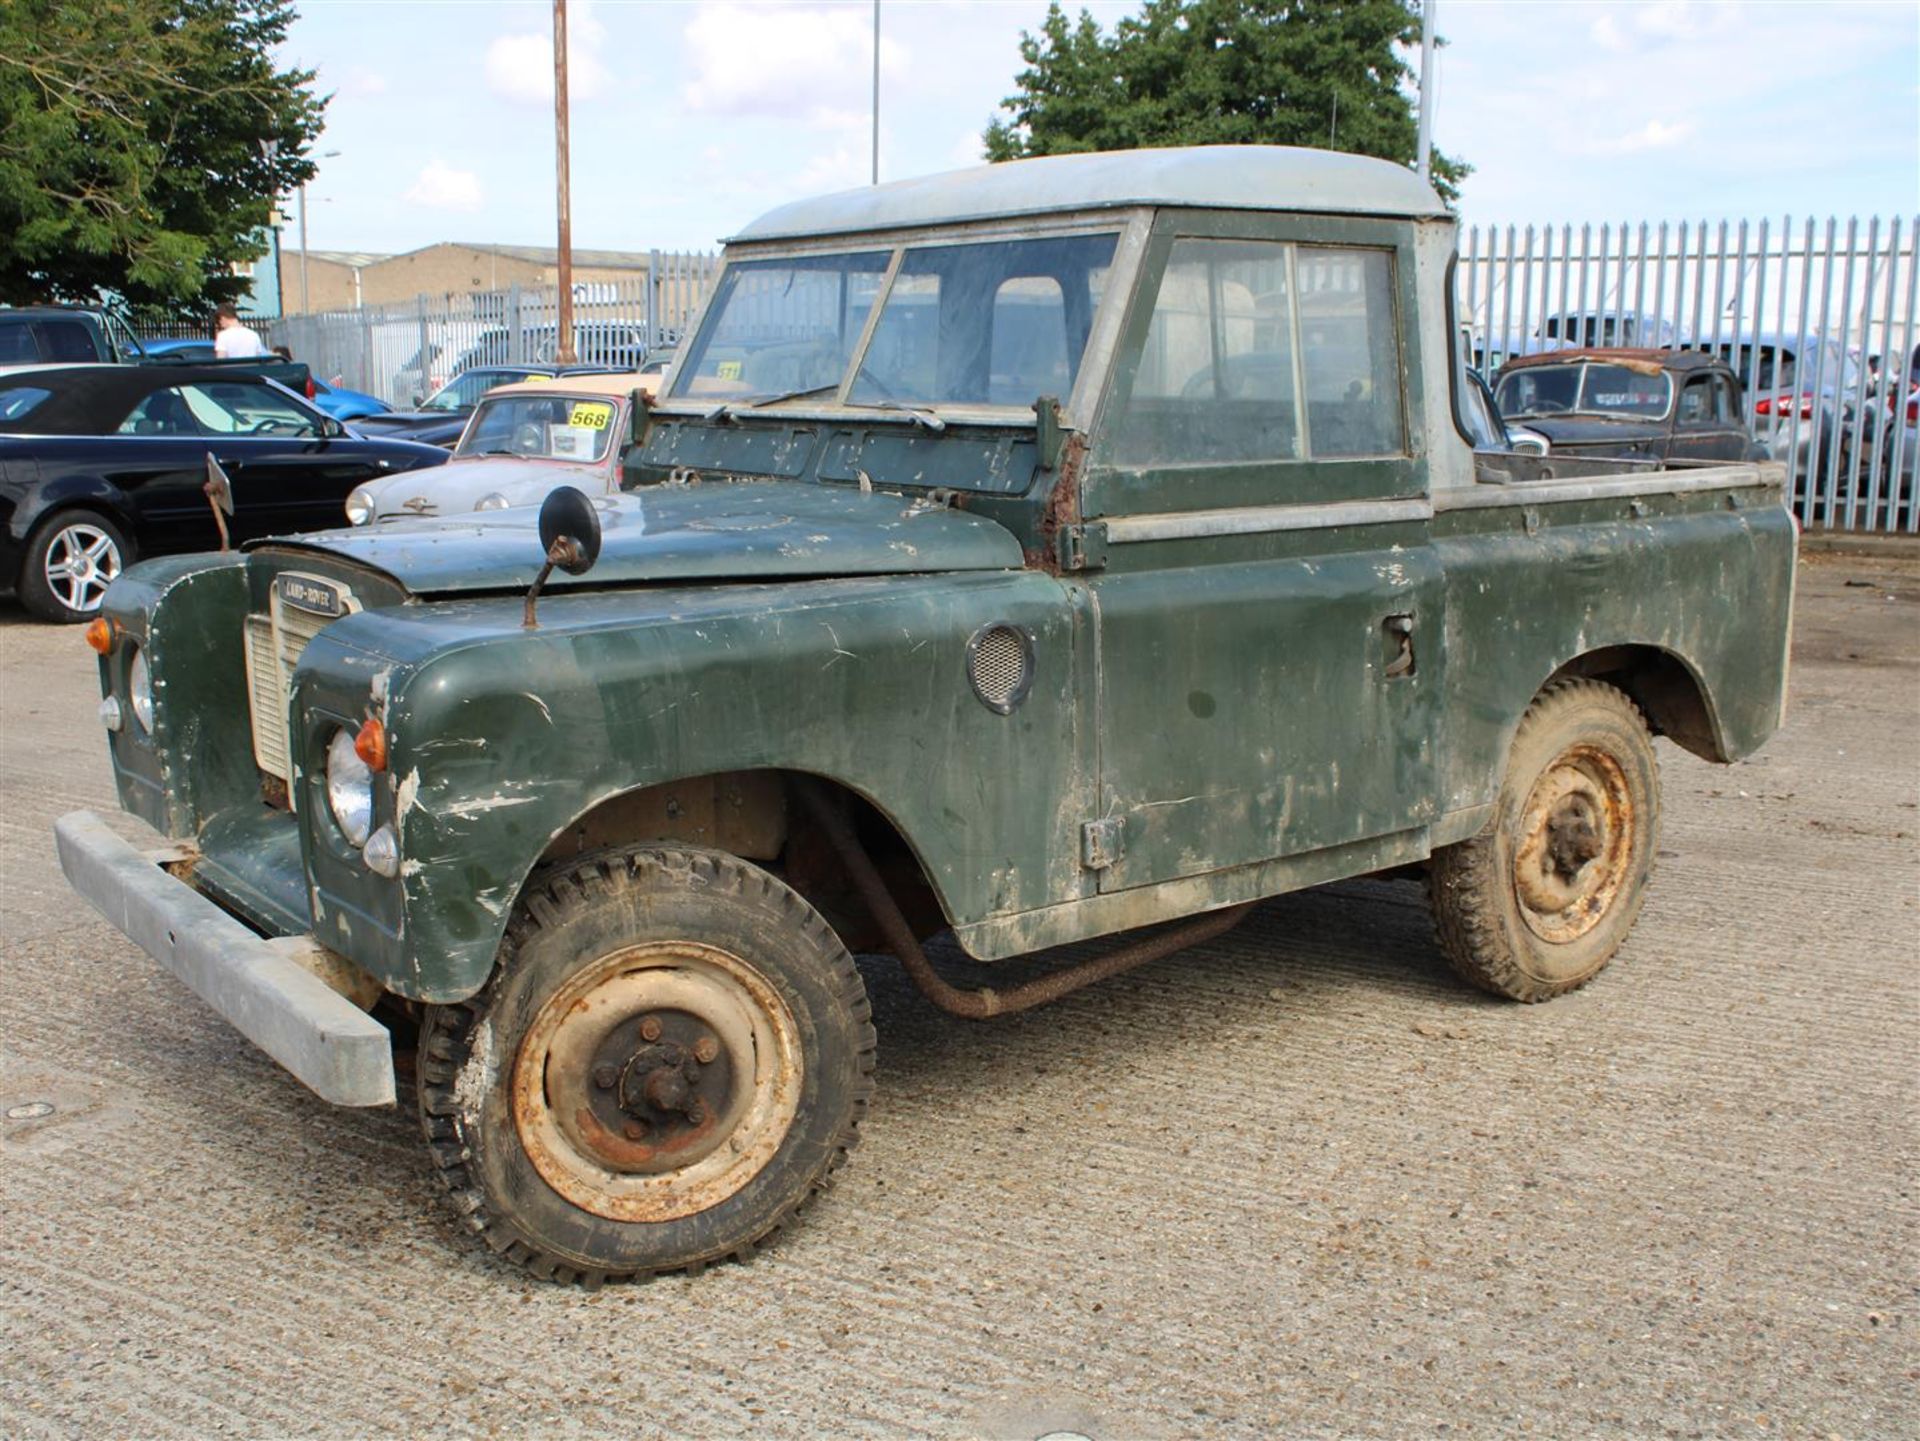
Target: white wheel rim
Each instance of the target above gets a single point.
(82, 561)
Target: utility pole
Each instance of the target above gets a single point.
(563, 339)
(1427, 7)
(876, 92)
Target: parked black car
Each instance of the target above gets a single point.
(100, 464)
(79, 334)
(1647, 404)
(443, 415)
(64, 334)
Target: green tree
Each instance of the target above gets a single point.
(142, 146)
(1331, 74)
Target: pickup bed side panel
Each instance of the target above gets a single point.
(522, 732)
(1531, 588)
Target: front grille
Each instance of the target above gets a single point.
(274, 642)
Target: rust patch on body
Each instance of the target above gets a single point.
(1063, 505)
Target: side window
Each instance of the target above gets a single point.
(164, 412)
(1696, 401)
(1723, 406)
(1347, 334)
(1216, 379)
(229, 409)
(66, 340)
(126, 348)
(1259, 350)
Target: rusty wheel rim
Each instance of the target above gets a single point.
(657, 1082)
(1576, 844)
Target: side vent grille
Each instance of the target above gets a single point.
(1000, 666)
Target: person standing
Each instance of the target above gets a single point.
(232, 340)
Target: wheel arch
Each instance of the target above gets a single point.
(1670, 692)
(754, 814)
(73, 492)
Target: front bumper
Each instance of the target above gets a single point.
(327, 1042)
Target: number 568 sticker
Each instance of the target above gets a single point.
(589, 415)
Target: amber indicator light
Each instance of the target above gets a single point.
(100, 634)
(371, 745)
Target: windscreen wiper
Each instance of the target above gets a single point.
(918, 414)
(728, 409)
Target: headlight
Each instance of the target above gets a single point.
(140, 690)
(349, 788)
(493, 500)
(360, 506)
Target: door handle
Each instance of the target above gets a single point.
(1399, 634)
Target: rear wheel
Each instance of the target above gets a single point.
(71, 559)
(672, 1056)
(1537, 903)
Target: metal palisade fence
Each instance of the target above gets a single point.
(1816, 317)
(403, 352)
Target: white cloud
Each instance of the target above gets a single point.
(791, 62)
(520, 66)
(969, 149)
(362, 82)
(1654, 135)
(842, 168)
(1641, 27)
(441, 187)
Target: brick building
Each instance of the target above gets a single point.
(352, 279)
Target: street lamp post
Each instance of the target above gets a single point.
(1425, 143)
(306, 307)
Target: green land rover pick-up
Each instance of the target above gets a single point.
(1036, 553)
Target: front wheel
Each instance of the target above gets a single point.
(71, 560)
(674, 1053)
(1537, 903)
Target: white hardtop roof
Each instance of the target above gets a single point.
(614, 384)
(1230, 177)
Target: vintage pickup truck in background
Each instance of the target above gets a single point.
(1038, 552)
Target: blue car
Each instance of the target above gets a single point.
(334, 400)
(343, 404)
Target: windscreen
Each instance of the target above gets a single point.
(1584, 389)
(988, 323)
(1000, 323)
(783, 325)
(543, 427)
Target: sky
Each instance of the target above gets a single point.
(691, 117)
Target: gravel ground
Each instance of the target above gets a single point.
(1296, 1183)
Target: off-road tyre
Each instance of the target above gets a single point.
(72, 534)
(1586, 744)
(490, 1133)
